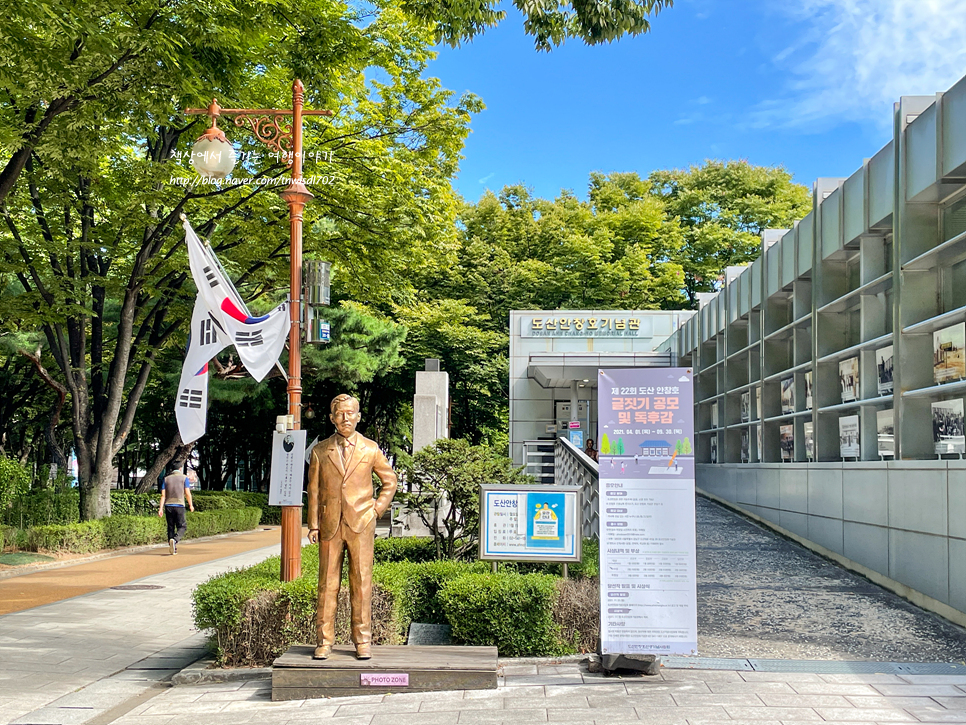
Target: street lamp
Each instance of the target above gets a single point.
(280, 130)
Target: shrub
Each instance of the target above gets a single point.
(80, 538)
(207, 500)
(14, 480)
(118, 531)
(412, 548)
(514, 612)
(131, 503)
(576, 612)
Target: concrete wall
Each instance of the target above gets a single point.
(902, 523)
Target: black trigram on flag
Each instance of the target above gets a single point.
(208, 334)
(190, 398)
(210, 275)
(249, 339)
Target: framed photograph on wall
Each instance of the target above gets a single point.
(948, 361)
(849, 436)
(885, 430)
(883, 369)
(809, 440)
(849, 379)
(745, 445)
(787, 441)
(758, 450)
(947, 426)
(714, 414)
(808, 390)
(788, 395)
(714, 449)
(746, 406)
(758, 402)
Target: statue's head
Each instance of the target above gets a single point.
(344, 414)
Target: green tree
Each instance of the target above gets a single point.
(445, 479)
(723, 207)
(687, 451)
(91, 232)
(605, 444)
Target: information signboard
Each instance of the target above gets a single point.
(530, 523)
(647, 529)
(288, 465)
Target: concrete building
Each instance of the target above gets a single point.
(554, 359)
(830, 372)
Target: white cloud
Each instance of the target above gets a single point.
(854, 58)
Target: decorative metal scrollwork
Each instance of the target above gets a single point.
(274, 130)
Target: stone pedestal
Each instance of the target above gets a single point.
(296, 676)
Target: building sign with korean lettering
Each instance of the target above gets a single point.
(530, 523)
(647, 517)
(561, 324)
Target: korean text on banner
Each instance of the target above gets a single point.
(647, 530)
(288, 467)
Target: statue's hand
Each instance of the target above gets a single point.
(313, 536)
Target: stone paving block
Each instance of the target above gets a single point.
(507, 692)
(952, 703)
(936, 714)
(374, 707)
(735, 688)
(518, 670)
(604, 690)
(867, 679)
(487, 716)
(779, 677)
(804, 714)
(618, 714)
(638, 701)
(687, 699)
(56, 716)
(918, 690)
(658, 688)
(833, 688)
(176, 708)
(852, 714)
(893, 702)
(146, 720)
(556, 670)
(521, 680)
(558, 702)
(704, 675)
(934, 679)
(429, 718)
(301, 714)
(665, 714)
(772, 699)
(454, 705)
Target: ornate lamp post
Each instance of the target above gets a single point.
(280, 130)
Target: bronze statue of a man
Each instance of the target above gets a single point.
(342, 515)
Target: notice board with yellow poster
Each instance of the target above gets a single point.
(530, 523)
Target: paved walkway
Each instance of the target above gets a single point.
(104, 657)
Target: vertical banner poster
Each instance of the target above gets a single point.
(288, 467)
(647, 520)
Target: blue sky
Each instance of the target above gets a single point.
(806, 84)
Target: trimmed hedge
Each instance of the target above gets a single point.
(119, 531)
(411, 549)
(208, 500)
(512, 611)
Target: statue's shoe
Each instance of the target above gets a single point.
(321, 652)
(363, 652)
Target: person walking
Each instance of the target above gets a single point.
(175, 490)
(342, 515)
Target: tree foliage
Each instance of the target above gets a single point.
(445, 479)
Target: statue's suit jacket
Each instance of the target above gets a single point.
(338, 492)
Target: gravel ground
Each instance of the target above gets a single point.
(763, 596)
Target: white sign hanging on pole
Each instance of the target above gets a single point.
(288, 466)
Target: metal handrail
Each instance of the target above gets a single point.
(575, 468)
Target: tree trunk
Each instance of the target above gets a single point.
(174, 449)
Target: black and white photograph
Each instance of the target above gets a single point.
(885, 430)
(787, 441)
(809, 440)
(758, 403)
(714, 414)
(883, 369)
(745, 446)
(808, 390)
(714, 449)
(947, 426)
(788, 395)
(758, 450)
(849, 436)
(746, 406)
(849, 379)
(948, 355)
